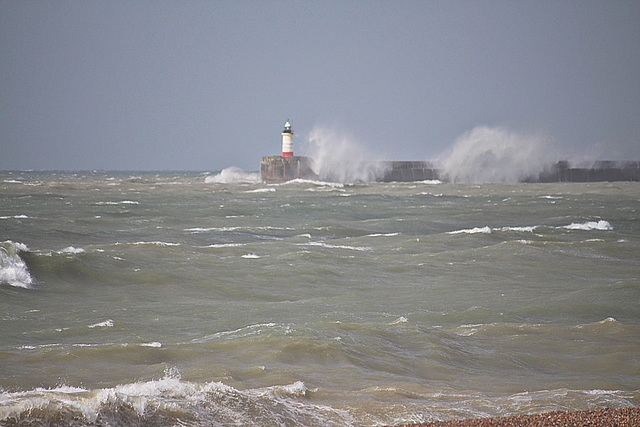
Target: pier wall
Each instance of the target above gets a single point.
(600, 171)
(409, 171)
(280, 169)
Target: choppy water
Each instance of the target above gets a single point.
(176, 299)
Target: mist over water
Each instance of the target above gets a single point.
(340, 158)
(495, 155)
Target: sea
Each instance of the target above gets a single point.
(214, 299)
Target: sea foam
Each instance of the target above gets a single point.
(170, 401)
(475, 230)
(233, 175)
(590, 225)
(106, 324)
(71, 250)
(13, 270)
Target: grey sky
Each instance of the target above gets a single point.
(203, 85)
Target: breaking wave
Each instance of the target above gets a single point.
(590, 225)
(495, 155)
(585, 226)
(233, 175)
(13, 270)
(339, 158)
(169, 401)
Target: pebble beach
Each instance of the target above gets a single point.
(620, 417)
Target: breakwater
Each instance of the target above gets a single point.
(280, 169)
(600, 171)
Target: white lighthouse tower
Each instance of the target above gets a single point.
(287, 140)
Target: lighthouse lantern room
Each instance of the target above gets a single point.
(287, 140)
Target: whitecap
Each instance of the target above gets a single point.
(326, 245)
(157, 243)
(262, 190)
(224, 245)
(71, 250)
(208, 229)
(123, 202)
(315, 182)
(13, 270)
(154, 344)
(106, 324)
(233, 175)
(528, 229)
(590, 225)
(251, 256)
(297, 389)
(14, 217)
(400, 320)
(475, 230)
(382, 235)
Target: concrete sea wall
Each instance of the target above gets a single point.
(600, 171)
(280, 169)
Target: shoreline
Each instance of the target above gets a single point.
(620, 417)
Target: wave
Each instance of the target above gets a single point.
(123, 202)
(106, 324)
(13, 270)
(601, 225)
(339, 158)
(169, 401)
(173, 401)
(233, 175)
(251, 256)
(315, 182)
(224, 245)
(475, 230)
(15, 217)
(590, 225)
(150, 243)
(497, 155)
(262, 190)
(329, 246)
(71, 250)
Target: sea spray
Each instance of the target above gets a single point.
(496, 155)
(339, 158)
(233, 175)
(13, 270)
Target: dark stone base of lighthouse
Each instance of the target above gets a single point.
(281, 169)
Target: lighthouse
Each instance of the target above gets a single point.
(287, 140)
